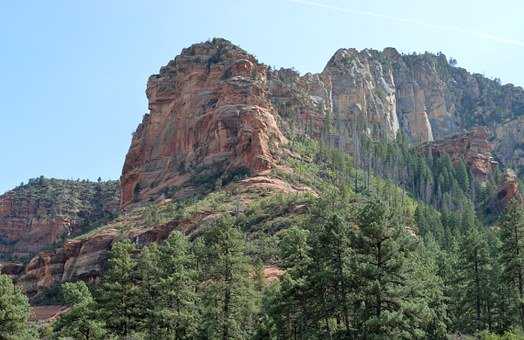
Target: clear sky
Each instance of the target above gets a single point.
(73, 73)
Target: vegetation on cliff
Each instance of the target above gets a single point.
(361, 257)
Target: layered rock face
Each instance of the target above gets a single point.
(215, 111)
(210, 117)
(453, 99)
(507, 191)
(41, 213)
(472, 147)
(509, 141)
(303, 103)
(82, 258)
(363, 94)
(383, 93)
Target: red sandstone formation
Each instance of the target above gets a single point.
(37, 215)
(506, 193)
(472, 147)
(209, 118)
(44, 315)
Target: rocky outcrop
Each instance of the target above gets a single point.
(472, 147)
(215, 111)
(303, 103)
(383, 93)
(507, 191)
(210, 118)
(44, 211)
(46, 315)
(509, 141)
(363, 93)
(83, 258)
(453, 99)
(13, 269)
(272, 273)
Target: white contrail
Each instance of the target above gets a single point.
(481, 35)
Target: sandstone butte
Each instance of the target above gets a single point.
(215, 112)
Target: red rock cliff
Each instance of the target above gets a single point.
(39, 214)
(473, 147)
(209, 118)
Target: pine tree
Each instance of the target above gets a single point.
(426, 296)
(498, 302)
(227, 292)
(177, 286)
(14, 310)
(330, 272)
(475, 268)
(290, 309)
(118, 299)
(448, 262)
(81, 321)
(512, 254)
(462, 176)
(168, 289)
(153, 301)
(383, 304)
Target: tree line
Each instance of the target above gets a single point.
(355, 269)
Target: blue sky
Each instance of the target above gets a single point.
(73, 73)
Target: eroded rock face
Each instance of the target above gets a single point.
(363, 93)
(509, 141)
(215, 111)
(383, 93)
(303, 103)
(450, 98)
(37, 215)
(507, 191)
(472, 147)
(83, 258)
(210, 117)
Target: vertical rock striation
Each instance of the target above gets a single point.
(210, 117)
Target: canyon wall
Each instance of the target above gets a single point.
(44, 211)
(216, 114)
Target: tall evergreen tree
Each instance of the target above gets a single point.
(291, 310)
(330, 274)
(118, 299)
(427, 289)
(168, 289)
(177, 287)
(227, 292)
(512, 254)
(475, 269)
(383, 306)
